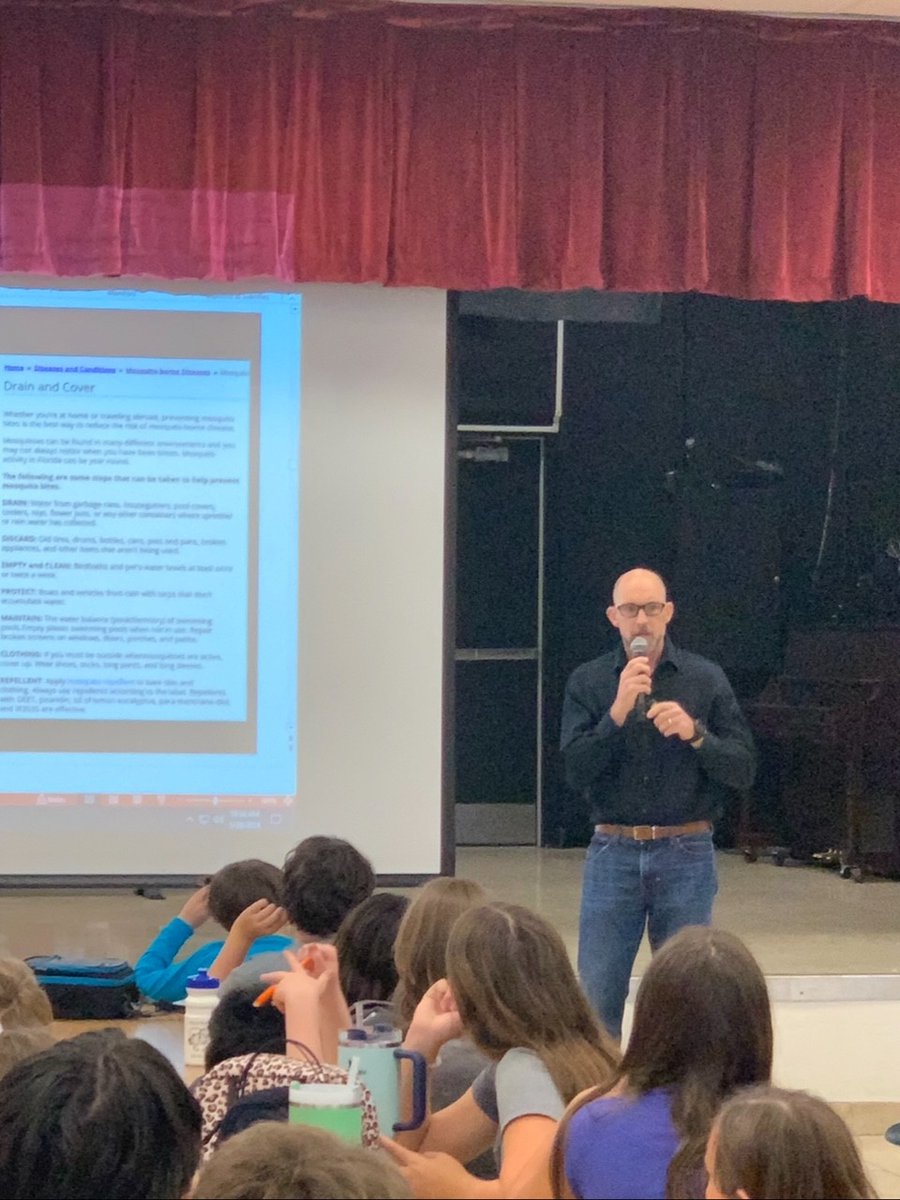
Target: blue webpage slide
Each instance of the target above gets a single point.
(148, 588)
(125, 535)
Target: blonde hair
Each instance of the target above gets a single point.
(18, 1044)
(25, 1015)
(514, 986)
(420, 951)
(296, 1162)
(23, 1004)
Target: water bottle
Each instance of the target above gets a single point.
(337, 1107)
(202, 998)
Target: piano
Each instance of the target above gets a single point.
(828, 734)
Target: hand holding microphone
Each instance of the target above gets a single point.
(635, 683)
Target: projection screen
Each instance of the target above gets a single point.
(222, 593)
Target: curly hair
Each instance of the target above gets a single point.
(324, 879)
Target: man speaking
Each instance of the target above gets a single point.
(655, 737)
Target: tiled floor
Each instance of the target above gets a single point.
(796, 920)
(882, 1162)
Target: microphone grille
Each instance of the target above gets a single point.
(639, 646)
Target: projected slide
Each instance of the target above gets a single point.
(148, 515)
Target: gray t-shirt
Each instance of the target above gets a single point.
(251, 971)
(519, 1085)
(459, 1065)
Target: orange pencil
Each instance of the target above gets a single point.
(266, 996)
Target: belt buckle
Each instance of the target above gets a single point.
(643, 833)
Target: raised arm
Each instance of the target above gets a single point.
(259, 919)
(157, 974)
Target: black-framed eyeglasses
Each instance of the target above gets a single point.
(653, 609)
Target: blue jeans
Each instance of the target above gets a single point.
(665, 884)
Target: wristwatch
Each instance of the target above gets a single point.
(700, 732)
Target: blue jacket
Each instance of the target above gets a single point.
(161, 978)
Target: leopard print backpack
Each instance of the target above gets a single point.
(230, 1081)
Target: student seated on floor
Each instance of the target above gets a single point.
(702, 1028)
(771, 1144)
(510, 987)
(365, 948)
(249, 1069)
(25, 1014)
(245, 898)
(238, 1026)
(97, 1115)
(296, 1162)
(324, 879)
(420, 953)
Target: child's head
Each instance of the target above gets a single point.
(324, 879)
(420, 952)
(700, 987)
(702, 1028)
(237, 1027)
(25, 1015)
(23, 1003)
(513, 984)
(18, 1044)
(97, 1115)
(769, 1142)
(275, 1161)
(365, 947)
(240, 884)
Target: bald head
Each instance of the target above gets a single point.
(633, 591)
(639, 579)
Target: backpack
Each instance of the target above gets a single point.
(92, 989)
(236, 1079)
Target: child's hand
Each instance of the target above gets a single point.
(435, 1021)
(320, 958)
(432, 1174)
(196, 908)
(298, 985)
(259, 919)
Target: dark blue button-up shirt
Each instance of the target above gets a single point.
(632, 774)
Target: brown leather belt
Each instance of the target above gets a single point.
(653, 833)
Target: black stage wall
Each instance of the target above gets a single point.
(707, 445)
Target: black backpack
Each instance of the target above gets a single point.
(86, 989)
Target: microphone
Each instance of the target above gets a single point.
(639, 647)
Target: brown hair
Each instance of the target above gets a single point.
(702, 1028)
(420, 952)
(365, 947)
(276, 1161)
(240, 884)
(514, 986)
(771, 1142)
(23, 1003)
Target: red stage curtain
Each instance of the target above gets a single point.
(452, 147)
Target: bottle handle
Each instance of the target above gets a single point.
(420, 1090)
